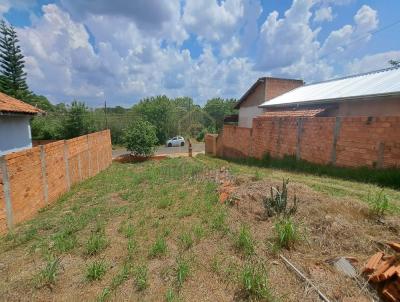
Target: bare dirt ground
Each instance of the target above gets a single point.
(177, 201)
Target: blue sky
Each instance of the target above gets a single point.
(126, 50)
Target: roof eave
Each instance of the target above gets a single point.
(335, 100)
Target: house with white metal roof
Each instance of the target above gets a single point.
(375, 93)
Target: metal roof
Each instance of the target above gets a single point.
(377, 83)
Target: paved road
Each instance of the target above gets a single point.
(197, 147)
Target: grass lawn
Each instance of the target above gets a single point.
(155, 231)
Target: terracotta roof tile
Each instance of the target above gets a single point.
(10, 104)
(296, 112)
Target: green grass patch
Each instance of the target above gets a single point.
(186, 240)
(159, 248)
(96, 243)
(141, 277)
(96, 270)
(254, 282)
(47, 276)
(287, 233)
(182, 271)
(244, 241)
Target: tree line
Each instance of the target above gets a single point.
(169, 116)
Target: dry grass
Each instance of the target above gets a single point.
(160, 231)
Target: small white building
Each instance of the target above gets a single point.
(15, 130)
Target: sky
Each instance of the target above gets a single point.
(122, 51)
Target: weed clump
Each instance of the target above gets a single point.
(182, 271)
(159, 248)
(96, 270)
(186, 240)
(96, 243)
(254, 281)
(378, 203)
(141, 277)
(48, 275)
(244, 241)
(287, 233)
(277, 203)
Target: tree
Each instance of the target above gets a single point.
(218, 108)
(77, 120)
(159, 112)
(13, 79)
(140, 138)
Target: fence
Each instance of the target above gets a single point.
(340, 141)
(33, 178)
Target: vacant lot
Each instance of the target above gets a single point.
(156, 231)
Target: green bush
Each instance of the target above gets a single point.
(140, 138)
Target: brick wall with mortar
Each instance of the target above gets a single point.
(347, 141)
(33, 178)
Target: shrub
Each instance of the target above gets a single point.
(287, 232)
(96, 270)
(244, 241)
(378, 203)
(254, 279)
(140, 138)
(277, 203)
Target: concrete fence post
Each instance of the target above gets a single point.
(44, 175)
(299, 135)
(336, 131)
(7, 192)
(67, 176)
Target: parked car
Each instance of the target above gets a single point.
(175, 141)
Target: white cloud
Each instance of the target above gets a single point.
(341, 42)
(323, 14)
(210, 20)
(91, 50)
(285, 41)
(125, 64)
(372, 62)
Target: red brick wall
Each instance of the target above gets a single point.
(87, 155)
(360, 141)
(276, 86)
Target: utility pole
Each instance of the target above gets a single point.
(105, 113)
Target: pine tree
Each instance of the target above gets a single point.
(13, 77)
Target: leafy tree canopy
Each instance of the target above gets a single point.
(140, 138)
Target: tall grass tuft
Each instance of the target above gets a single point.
(287, 233)
(96, 270)
(141, 277)
(378, 203)
(254, 281)
(244, 241)
(48, 275)
(159, 248)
